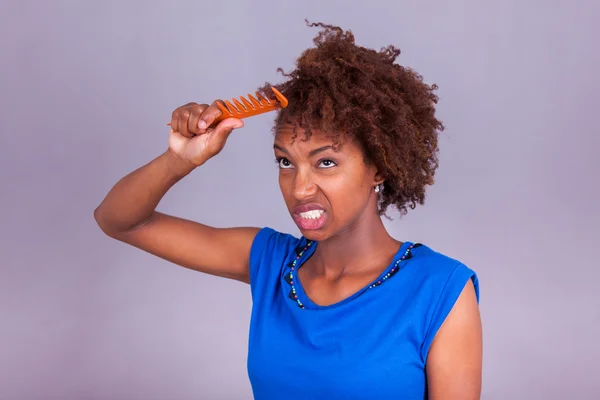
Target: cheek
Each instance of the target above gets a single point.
(285, 185)
(347, 190)
(357, 179)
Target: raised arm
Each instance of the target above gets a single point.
(128, 212)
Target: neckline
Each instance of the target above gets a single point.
(310, 248)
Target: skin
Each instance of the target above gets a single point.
(354, 246)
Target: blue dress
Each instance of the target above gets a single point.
(371, 345)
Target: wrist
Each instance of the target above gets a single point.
(177, 165)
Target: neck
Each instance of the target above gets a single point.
(363, 246)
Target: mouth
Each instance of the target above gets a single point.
(309, 217)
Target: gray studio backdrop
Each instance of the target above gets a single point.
(86, 90)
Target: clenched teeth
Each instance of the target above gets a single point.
(313, 214)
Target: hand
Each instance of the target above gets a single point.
(192, 140)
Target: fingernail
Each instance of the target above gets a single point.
(202, 124)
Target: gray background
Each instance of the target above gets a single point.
(86, 90)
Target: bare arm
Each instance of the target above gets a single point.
(455, 358)
(128, 212)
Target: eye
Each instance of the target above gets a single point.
(327, 163)
(284, 163)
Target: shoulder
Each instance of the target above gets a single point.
(268, 240)
(439, 270)
(432, 259)
(270, 250)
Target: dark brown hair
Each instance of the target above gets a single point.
(349, 91)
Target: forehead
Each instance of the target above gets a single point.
(287, 139)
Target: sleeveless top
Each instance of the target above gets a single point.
(371, 345)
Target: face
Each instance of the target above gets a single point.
(327, 192)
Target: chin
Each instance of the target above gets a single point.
(318, 235)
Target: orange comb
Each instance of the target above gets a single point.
(244, 108)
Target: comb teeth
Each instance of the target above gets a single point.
(256, 104)
(244, 108)
(255, 101)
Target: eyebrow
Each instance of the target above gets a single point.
(312, 152)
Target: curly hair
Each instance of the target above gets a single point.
(349, 91)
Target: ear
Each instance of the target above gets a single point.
(377, 179)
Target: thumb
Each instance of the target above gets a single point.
(222, 132)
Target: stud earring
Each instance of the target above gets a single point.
(379, 187)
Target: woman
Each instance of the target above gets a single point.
(345, 311)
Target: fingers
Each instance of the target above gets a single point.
(208, 116)
(194, 119)
(180, 117)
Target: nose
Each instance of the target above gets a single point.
(304, 185)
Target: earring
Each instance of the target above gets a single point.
(379, 188)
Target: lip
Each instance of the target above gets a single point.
(308, 223)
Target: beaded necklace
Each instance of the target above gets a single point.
(289, 277)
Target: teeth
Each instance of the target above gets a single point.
(313, 214)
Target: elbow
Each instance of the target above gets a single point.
(102, 223)
(114, 227)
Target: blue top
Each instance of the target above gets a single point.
(371, 345)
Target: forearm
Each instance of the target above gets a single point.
(134, 198)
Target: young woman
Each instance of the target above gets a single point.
(345, 311)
